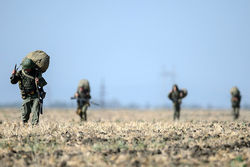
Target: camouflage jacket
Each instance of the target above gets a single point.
(85, 94)
(83, 97)
(235, 100)
(27, 84)
(175, 96)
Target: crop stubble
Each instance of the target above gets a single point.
(126, 138)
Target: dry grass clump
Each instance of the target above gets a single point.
(125, 138)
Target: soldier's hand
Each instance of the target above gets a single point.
(13, 72)
(235, 99)
(76, 95)
(36, 80)
(181, 94)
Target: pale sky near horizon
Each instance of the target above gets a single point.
(128, 44)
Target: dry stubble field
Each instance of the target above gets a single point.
(125, 138)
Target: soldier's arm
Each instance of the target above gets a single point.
(76, 94)
(15, 77)
(170, 95)
(88, 96)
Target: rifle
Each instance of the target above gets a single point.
(84, 100)
(41, 94)
(15, 69)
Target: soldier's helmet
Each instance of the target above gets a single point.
(175, 86)
(27, 64)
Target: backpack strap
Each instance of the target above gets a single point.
(29, 76)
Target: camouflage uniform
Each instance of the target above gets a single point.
(26, 80)
(83, 96)
(235, 100)
(176, 96)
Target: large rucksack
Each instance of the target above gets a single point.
(235, 91)
(184, 92)
(84, 83)
(40, 58)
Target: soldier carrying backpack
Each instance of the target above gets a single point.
(31, 84)
(235, 100)
(176, 97)
(83, 96)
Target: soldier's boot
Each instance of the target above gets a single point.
(84, 116)
(25, 122)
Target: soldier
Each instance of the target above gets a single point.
(176, 96)
(31, 84)
(83, 96)
(235, 100)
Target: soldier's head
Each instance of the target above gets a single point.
(175, 87)
(28, 64)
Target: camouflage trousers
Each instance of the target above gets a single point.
(82, 111)
(177, 108)
(236, 112)
(30, 105)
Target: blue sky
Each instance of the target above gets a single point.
(128, 44)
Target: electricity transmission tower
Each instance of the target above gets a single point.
(165, 75)
(168, 74)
